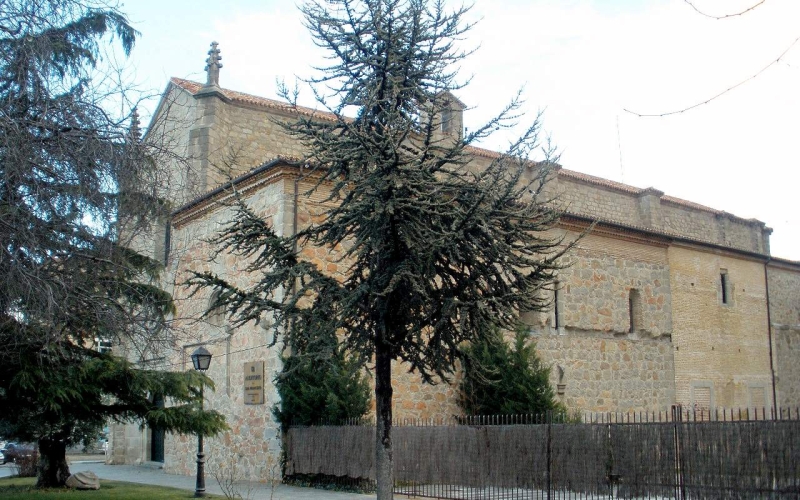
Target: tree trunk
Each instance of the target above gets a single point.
(383, 427)
(52, 471)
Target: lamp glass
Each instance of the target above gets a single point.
(201, 359)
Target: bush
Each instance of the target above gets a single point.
(319, 390)
(26, 466)
(503, 380)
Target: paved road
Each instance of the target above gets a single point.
(147, 475)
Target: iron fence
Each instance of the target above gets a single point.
(679, 454)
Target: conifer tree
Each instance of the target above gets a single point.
(69, 168)
(435, 246)
(317, 391)
(500, 379)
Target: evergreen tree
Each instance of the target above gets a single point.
(317, 391)
(436, 246)
(67, 167)
(503, 380)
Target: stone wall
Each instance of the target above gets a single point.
(649, 208)
(595, 290)
(252, 443)
(603, 363)
(246, 137)
(128, 444)
(721, 350)
(722, 229)
(170, 138)
(784, 300)
(598, 201)
(604, 372)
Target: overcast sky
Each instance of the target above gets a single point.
(584, 62)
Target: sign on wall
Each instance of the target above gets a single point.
(254, 383)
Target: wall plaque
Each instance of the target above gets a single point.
(254, 383)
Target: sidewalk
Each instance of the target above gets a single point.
(147, 475)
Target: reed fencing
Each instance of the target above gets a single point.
(680, 454)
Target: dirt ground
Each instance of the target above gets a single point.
(76, 458)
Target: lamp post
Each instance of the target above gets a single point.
(201, 359)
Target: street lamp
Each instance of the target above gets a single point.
(201, 359)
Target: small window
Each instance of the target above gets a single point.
(556, 306)
(725, 287)
(634, 310)
(447, 121)
(167, 242)
(103, 345)
(216, 315)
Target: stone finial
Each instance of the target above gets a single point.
(135, 131)
(213, 65)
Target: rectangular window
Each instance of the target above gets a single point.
(556, 306)
(723, 279)
(167, 242)
(102, 345)
(447, 121)
(634, 310)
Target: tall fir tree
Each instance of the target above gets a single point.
(436, 247)
(68, 168)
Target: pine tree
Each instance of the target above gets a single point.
(503, 380)
(436, 246)
(68, 170)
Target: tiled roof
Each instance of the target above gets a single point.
(241, 97)
(195, 87)
(599, 181)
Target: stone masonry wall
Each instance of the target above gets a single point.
(603, 372)
(602, 365)
(578, 197)
(626, 207)
(245, 138)
(705, 226)
(252, 443)
(784, 299)
(721, 350)
(596, 287)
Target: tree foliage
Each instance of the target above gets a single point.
(69, 168)
(316, 391)
(436, 244)
(500, 379)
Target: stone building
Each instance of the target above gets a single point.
(665, 302)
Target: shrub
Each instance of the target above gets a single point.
(26, 466)
(318, 390)
(505, 380)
